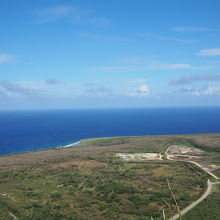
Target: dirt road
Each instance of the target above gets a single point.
(206, 193)
(191, 206)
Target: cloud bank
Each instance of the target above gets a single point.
(194, 78)
(209, 52)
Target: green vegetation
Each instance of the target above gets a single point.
(118, 189)
(208, 209)
(89, 182)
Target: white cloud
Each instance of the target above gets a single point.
(151, 66)
(3, 93)
(191, 29)
(54, 13)
(6, 58)
(20, 88)
(194, 78)
(141, 91)
(52, 81)
(166, 38)
(69, 13)
(91, 35)
(212, 90)
(173, 66)
(179, 66)
(118, 69)
(209, 52)
(35, 89)
(98, 21)
(208, 90)
(52, 89)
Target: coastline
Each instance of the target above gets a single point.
(80, 142)
(70, 145)
(96, 156)
(63, 129)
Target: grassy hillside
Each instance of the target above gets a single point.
(89, 182)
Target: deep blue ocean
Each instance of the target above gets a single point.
(32, 130)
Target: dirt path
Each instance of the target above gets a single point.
(192, 205)
(206, 193)
(213, 175)
(12, 215)
(166, 152)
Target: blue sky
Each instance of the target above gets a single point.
(115, 53)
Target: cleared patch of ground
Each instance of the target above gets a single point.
(195, 155)
(183, 150)
(139, 156)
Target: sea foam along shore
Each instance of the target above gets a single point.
(77, 143)
(70, 145)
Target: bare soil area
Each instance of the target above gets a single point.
(183, 150)
(139, 156)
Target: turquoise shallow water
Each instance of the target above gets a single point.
(33, 130)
